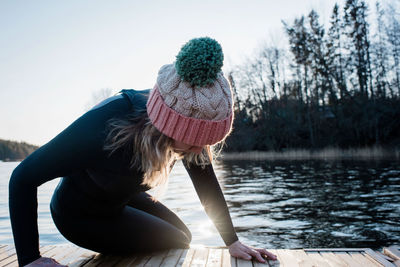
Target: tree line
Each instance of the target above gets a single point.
(335, 86)
(15, 151)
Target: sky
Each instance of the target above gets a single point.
(55, 55)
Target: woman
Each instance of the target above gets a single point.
(124, 146)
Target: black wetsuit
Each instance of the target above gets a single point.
(100, 203)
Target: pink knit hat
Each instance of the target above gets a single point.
(192, 101)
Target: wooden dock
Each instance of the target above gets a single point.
(212, 257)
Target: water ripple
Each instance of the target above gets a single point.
(275, 204)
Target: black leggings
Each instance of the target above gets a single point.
(144, 225)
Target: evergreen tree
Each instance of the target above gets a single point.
(299, 38)
(393, 35)
(357, 31)
(10, 150)
(299, 41)
(322, 80)
(334, 57)
(380, 57)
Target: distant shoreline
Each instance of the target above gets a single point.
(11, 160)
(373, 153)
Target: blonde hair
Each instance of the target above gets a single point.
(151, 151)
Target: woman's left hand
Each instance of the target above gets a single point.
(242, 251)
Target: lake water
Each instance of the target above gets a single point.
(273, 204)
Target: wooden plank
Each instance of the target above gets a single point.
(372, 255)
(4, 248)
(50, 252)
(347, 259)
(11, 264)
(377, 257)
(386, 257)
(42, 249)
(227, 259)
(115, 260)
(9, 257)
(12, 260)
(66, 254)
(243, 263)
(78, 263)
(80, 257)
(156, 258)
(286, 258)
(333, 260)
(272, 263)
(334, 249)
(303, 259)
(200, 257)
(362, 260)
(256, 263)
(186, 257)
(214, 257)
(319, 260)
(110, 260)
(71, 252)
(268, 263)
(172, 257)
(60, 253)
(126, 261)
(96, 260)
(141, 260)
(260, 264)
(392, 251)
(7, 252)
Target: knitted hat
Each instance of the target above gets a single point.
(192, 101)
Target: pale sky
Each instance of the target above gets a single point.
(55, 54)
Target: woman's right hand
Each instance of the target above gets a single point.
(45, 262)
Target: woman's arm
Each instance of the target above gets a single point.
(212, 198)
(75, 148)
(207, 187)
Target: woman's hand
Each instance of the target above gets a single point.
(45, 262)
(242, 251)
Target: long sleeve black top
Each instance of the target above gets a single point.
(102, 183)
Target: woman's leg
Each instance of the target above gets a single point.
(133, 230)
(145, 202)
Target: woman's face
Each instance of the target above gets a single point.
(180, 147)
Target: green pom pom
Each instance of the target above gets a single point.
(199, 61)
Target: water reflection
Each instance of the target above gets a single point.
(314, 203)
